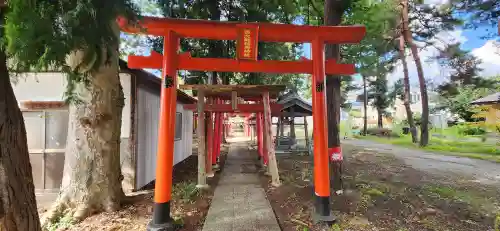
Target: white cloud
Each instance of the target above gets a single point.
(489, 53)
(433, 71)
(436, 2)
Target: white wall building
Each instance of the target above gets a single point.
(47, 126)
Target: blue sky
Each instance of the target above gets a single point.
(474, 37)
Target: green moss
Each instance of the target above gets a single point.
(374, 192)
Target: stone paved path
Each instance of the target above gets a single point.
(240, 203)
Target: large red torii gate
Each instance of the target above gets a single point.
(247, 36)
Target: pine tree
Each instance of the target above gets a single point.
(464, 75)
(380, 96)
(81, 39)
(420, 23)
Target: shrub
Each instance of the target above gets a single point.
(470, 130)
(385, 132)
(185, 191)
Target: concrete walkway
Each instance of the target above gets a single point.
(239, 202)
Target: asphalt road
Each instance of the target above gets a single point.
(481, 171)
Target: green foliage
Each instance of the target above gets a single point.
(335, 227)
(62, 224)
(464, 65)
(379, 95)
(136, 44)
(460, 102)
(497, 223)
(185, 191)
(465, 73)
(467, 129)
(382, 132)
(476, 150)
(40, 34)
(397, 91)
(374, 192)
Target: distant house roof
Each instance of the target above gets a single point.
(493, 98)
(148, 78)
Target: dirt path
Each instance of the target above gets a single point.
(479, 171)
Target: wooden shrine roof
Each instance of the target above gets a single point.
(293, 102)
(248, 92)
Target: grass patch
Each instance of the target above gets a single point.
(478, 202)
(475, 150)
(374, 192)
(448, 193)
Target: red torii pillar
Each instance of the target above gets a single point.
(263, 141)
(165, 156)
(258, 124)
(217, 139)
(321, 168)
(210, 142)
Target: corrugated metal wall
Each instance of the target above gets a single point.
(148, 109)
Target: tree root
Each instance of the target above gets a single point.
(78, 210)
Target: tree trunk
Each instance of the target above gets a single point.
(215, 46)
(333, 17)
(365, 106)
(380, 122)
(92, 176)
(424, 127)
(18, 210)
(406, 95)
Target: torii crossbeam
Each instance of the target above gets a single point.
(247, 37)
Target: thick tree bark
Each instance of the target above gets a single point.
(92, 176)
(424, 127)
(406, 95)
(365, 106)
(18, 210)
(334, 10)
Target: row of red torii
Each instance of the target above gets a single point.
(247, 36)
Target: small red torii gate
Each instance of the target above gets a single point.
(241, 108)
(247, 37)
(215, 95)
